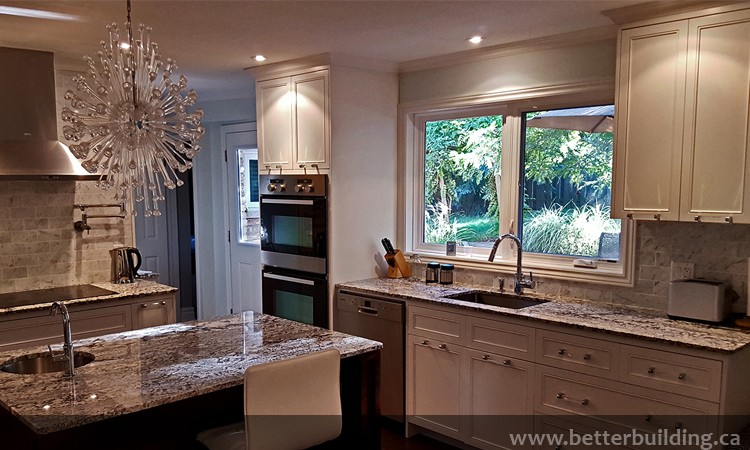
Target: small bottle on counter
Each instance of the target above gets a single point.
(446, 274)
(432, 273)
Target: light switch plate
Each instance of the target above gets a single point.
(682, 271)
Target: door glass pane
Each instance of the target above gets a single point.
(566, 195)
(293, 231)
(249, 210)
(462, 179)
(294, 306)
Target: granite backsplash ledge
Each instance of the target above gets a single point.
(719, 251)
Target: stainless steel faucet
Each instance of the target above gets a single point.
(67, 355)
(521, 282)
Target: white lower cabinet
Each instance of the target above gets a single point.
(496, 401)
(21, 330)
(435, 385)
(561, 380)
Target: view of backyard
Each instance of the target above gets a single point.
(566, 195)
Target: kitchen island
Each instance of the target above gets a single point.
(174, 381)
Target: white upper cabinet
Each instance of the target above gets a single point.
(682, 130)
(293, 122)
(715, 168)
(274, 124)
(650, 105)
(311, 135)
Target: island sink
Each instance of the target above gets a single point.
(46, 363)
(489, 298)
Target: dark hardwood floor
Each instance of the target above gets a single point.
(392, 440)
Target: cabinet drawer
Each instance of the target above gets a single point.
(580, 354)
(670, 372)
(563, 392)
(564, 429)
(500, 337)
(445, 326)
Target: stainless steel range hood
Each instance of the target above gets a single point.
(29, 148)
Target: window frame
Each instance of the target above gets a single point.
(511, 105)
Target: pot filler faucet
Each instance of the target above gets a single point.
(67, 355)
(521, 282)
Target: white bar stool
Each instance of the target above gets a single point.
(289, 405)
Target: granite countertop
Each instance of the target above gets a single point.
(145, 368)
(140, 288)
(583, 314)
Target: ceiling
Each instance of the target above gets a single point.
(213, 41)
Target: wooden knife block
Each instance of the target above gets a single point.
(401, 269)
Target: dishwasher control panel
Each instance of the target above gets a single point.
(382, 309)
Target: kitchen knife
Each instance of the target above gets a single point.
(390, 247)
(385, 243)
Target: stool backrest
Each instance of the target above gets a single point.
(293, 404)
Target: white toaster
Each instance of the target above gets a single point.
(703, 300)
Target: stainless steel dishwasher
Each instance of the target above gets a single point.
(377, 318)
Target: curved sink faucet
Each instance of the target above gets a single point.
(521, 282)
(67, 355)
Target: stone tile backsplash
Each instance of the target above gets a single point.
(39, 247)
(720, 252)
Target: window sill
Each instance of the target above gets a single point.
(617, 276)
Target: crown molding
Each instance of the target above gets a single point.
(658, 9)
(514, 48)
(316, 62)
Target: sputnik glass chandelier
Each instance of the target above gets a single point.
(129, 124)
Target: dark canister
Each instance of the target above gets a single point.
(446, 274)
(432, 272)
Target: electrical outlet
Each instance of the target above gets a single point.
(682, 271)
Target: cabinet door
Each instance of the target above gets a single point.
(434, 385)
(650, 107)
(715, 169)
(312, 136)
(153, 313)
(497, 399)
(274, 100)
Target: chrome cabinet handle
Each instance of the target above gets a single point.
(681, 376)
(677, 425)
(564, 397)
(506, 362)
(485, 357)
(425, 342)
(561, 351)
(146, 305)
(442, 346)
(587, 356)
(651, 369)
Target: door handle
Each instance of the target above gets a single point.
(289, 279)
(366, 310)
(281, 201)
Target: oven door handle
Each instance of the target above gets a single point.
(289, 279)
(283, 201)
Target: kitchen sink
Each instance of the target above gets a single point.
(505, 301)
(37, 364)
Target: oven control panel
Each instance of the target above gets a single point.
(294, 185)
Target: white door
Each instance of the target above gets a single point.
(241, 147)
(154, 240)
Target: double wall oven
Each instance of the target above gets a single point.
(293, 242)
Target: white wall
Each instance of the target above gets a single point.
(209, 196)
(363, 171)
(591, 61)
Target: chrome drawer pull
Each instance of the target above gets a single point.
(506, 362)
(564, 397)
(425, 342)
(587, 356)
(485, 357)
(681, 376)
(146, 305)
(651, 370)
(442, 346)
(677, 426)
(561, 351)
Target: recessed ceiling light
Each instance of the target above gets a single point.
(35, 13)
(475, 39)
(260, 58)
